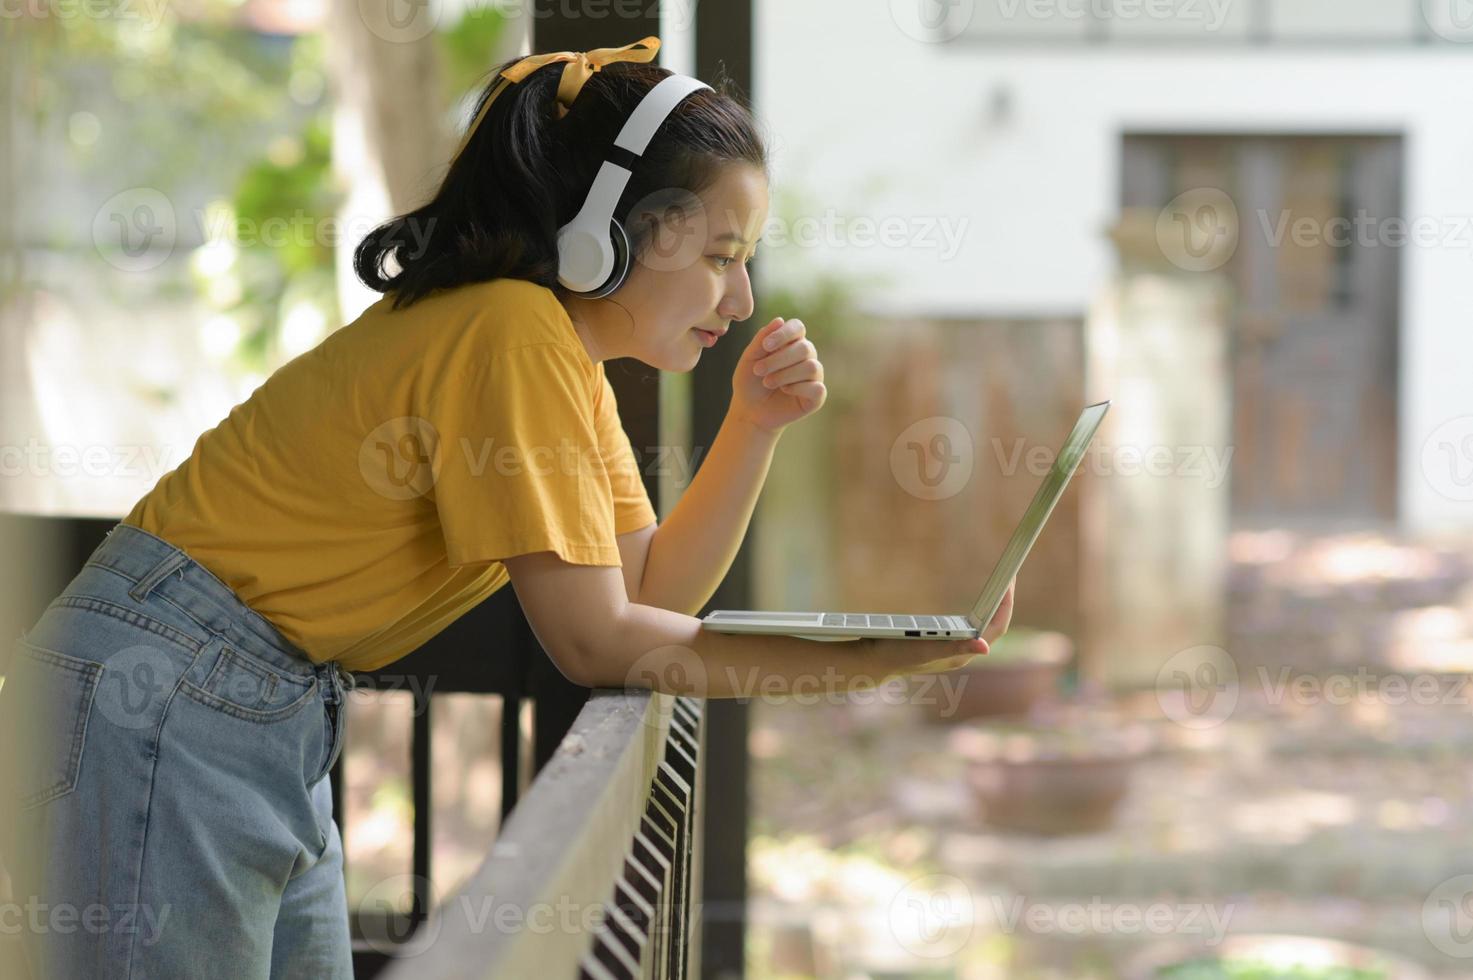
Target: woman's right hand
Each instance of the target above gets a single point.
(901, 658)
(897, 658)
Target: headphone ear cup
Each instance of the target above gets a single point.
(620, 240)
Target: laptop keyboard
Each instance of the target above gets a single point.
(860, 619)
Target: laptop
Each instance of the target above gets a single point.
(918, 626)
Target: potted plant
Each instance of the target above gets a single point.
(1062, 770)
(1021, 669)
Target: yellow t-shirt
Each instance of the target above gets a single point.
(361, 498)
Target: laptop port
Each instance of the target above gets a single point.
(912, 632)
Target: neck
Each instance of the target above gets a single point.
(584, 318)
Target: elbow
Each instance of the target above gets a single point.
(572, 661)
(586, 660)
(580, 668)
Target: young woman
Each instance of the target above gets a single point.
(178, 706)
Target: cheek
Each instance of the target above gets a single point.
(671, 302)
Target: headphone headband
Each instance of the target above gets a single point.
(593, 248)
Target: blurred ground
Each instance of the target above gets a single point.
(1324, 798)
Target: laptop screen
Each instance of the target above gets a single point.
(1037, 513)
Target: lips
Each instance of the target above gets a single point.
(709, 337)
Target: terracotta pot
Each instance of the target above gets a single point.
(1155, 963)
(1060, 777)
(1018, 672)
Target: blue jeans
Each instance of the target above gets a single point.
(163, 806)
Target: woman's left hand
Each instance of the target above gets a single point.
(779, 379)
(1003, 617)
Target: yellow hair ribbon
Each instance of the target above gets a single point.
(579, 69)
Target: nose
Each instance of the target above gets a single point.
(738, 304)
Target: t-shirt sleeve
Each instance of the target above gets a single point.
(517, 462)
(632, 507)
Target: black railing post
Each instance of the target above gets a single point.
(724, 49)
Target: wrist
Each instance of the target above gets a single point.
(752, 430)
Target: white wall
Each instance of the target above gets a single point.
(849, 97)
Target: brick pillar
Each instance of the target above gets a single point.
(1154, 541)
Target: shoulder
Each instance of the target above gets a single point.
(475, 333)
(507, 314)
(505, 340)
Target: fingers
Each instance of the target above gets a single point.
(942, 666)
(808, 391)
(783, 334)
(961, 654)
(789, 350)
(1004, 615)
(756, 348)
(808, 369)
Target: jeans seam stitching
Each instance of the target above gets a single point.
(155, 594)
(336, 731)
(204, 685)
(158, 732)
(113, 609)
(248, 662)
(218, 703)
(90, 671)
(269, 674)
(271, 627)
(153, 770)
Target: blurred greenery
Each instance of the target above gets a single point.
(828, 303)
(466, 50)
(1215, 969)
(239, 118)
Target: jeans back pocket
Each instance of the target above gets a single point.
(45, 706)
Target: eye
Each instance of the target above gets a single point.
(728, 259)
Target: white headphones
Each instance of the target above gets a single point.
(593, 248)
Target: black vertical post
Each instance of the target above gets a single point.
(723, 52)
(723, 49)
(636, 385)
(556, 27)
(422, 772)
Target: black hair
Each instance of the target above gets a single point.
(524, 173)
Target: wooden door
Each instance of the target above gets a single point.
(1313, 351)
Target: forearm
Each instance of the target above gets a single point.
(695, 545)
(670, 652)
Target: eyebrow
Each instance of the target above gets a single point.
(732, 236)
